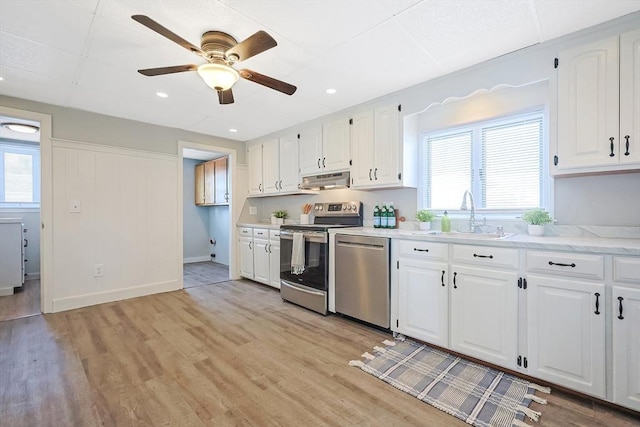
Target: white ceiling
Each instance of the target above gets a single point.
(85, 54)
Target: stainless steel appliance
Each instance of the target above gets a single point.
(310, 287)
(362, 278)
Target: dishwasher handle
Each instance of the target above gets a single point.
(359, 245)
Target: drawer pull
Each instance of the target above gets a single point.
(483, 256)
(420, 250)
(442, 278)
(454, 280)
(620, 299)
(597, 303)
(572, 265)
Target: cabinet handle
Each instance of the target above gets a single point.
(323, 165)
(483, 256)
(442, 278)
(280, 184)
(266, 249)
(370, 179)
(318, 163)
(454, 280)
(525, 363)
(260, 187)
(597, 303)
(519, 360)
(611, 155)
(620, 299)
(572, 265)
(626, 153)
(26, 243)
(375, 174)
(420, 250)
(250, 247)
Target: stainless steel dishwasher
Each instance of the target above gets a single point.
(362, 278)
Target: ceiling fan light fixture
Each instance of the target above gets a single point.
(21, 127)
(218, 76)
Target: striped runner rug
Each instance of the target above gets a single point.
(474, 393)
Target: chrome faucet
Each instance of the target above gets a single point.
(472, 216)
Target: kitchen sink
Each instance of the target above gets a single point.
(465, 235)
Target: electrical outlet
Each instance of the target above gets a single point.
(253, 210)
(98, 270)
(75, 206)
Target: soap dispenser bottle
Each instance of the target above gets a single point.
(445, 224)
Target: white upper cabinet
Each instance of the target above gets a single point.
(325, 149)
(273, 166)
(254, 160)
(377, 150)
(598, 106)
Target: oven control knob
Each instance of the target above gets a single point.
(354, 208)
(319, 207)
(349, 207)
(344, 207)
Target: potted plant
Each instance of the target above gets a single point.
(425, 217)
(536, 218)
(280, 216)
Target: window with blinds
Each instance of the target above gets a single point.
(499, 161)
(19, 175)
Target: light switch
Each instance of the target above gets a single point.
(75, 206)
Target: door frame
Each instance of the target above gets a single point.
(46, 202)
(232, 155)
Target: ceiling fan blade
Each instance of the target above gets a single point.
(168, 70)
(255, 44)
(268, 81)
(225, 96)
(153, 25)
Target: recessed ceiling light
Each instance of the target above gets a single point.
(21, 127)
(331, 91)
(1, 78)
(233, 130)
(162, 94)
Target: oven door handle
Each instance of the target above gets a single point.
(309, 236)
(298, 288)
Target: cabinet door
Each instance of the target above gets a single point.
(336, 145)
(588, 110)
(626, 346)
(289, 177)
(566, 320)
(386, 146)
(274, 264)
(484, 314)
(221, 182)
(254, 161)
(362, 151)
(199, 180)
(311, 151)
(423, 301)
(209, 182)
(630, 97)
(261, 261)
(246, 257)
(271, 166)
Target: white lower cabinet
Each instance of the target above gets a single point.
(274, 258)
(626, 331)
(566, 308)
(484, 314)
(423, 292)
(245, 242)
(260, 255)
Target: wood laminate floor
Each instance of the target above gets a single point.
(204, 273)
(24, 302)
(233, 354)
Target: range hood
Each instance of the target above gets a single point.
(328, 181)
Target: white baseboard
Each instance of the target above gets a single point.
(32, 276)
(69, 303)
(196, 259)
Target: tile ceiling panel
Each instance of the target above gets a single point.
(467, 32)
(86, 53)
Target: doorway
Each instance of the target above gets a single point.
(206, 220)
(20, 290)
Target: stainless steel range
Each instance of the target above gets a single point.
(304, 254)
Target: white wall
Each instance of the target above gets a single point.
(195, 219)
(219, 231)
(128, 223)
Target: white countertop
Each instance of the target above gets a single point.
(616, 246)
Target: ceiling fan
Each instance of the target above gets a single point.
(221, 51)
